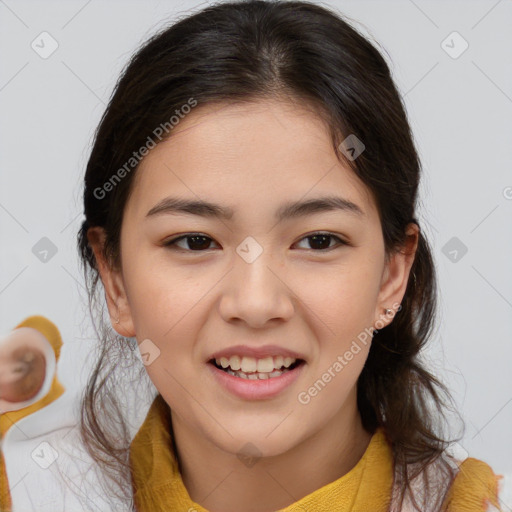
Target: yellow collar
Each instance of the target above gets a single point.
(158, 485)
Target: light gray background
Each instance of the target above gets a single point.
(460, 110)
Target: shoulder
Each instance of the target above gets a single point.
(453, 484)
(475, 488)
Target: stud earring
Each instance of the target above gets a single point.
(387, 311)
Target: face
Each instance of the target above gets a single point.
(22, 366)
(294, 282)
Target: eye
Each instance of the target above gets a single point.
(20, 368)
(321, 241)
(195, 242)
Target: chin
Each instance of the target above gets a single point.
(254, 443)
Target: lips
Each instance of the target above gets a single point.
(256, 373)
(256, 385)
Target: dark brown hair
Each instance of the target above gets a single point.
(256, 50)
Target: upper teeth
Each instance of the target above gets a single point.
(251, 364)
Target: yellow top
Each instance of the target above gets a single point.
(158, 485)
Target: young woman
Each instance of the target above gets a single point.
(250, 213)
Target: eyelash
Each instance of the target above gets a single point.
(172, 243)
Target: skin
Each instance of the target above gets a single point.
(253, 158)
(22, 366)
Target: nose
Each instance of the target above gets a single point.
(255, 293)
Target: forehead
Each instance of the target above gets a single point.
(237, 152)
(26, 354)
(21, 341)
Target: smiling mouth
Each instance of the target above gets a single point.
(258, 375)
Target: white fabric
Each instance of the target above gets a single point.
(47, 466)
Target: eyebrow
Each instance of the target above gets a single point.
(290, 210)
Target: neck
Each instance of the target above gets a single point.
(217, 480)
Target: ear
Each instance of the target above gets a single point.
(112, 279)
(395, 277)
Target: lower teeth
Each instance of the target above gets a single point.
(255, 375)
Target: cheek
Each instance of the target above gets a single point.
(168, 309)
(343, 301)
(160, 297)
(334, 379)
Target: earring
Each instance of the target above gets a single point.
(387, 311)
(117, 320)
